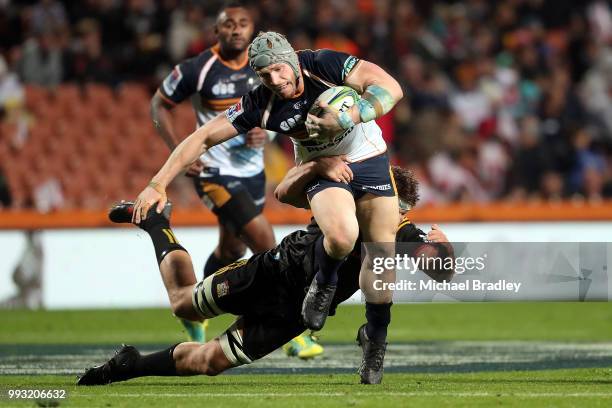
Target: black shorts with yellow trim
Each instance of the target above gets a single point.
(234, 200)
(372, 175)
(268, 310)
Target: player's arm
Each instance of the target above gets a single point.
(189, 150)
(380, 92)
(291, 189)
(161, 114)
(179, 85)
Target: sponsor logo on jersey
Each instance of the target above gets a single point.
(382, 187)
(317, 146)
(349, 64)
(223, 87)
(233, 112)
(222, 289)
(312, 188)
(172, 80)
(237, 76)
(290, 123)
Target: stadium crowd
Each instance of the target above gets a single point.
(506, 100)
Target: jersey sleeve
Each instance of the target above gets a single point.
(408, 232)
(333, 66)
(181, 83)
(247, 113)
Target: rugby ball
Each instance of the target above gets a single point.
(338, 98)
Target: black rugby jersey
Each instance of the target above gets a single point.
(293, 259)
(288, 116)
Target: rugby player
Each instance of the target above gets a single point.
(265, 292)
(229, 177)
(367, 204)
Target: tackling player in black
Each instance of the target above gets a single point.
(265, 292)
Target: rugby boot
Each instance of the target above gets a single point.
(122, 212)
(317, 302)
(304, 346)
(371, 369)
(118, 368)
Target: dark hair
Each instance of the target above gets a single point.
(232, 4)
(406, 184)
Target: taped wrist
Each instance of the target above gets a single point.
(345, 120)
(376, 101)
(157, 187)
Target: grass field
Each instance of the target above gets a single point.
(512, 354)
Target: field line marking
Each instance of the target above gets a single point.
(345, 394)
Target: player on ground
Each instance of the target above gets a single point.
(266, 292)
(229, 177)
(367, 204)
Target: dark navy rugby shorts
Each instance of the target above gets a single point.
(372, 175)
(234, 200)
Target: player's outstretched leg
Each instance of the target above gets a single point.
(182, 359)
(371, 369)
(129, 363)
(177, 269)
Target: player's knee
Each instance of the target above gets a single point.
(340, 241)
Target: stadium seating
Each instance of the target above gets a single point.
(99, 143)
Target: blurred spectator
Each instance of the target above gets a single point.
(596, 93)
(48, 16)
(185, 32)
(41, 61)
(12, 105)
(88, 63)
(48, 195)
(531, 161)
(11, 91)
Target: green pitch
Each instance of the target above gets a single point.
(512, 354)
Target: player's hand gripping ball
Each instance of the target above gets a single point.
(326, 109)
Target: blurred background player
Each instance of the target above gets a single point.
(265, 292)
(229, 178)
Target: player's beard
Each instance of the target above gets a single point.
(288, 91)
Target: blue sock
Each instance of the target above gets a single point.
(378, 316)
(328, 266)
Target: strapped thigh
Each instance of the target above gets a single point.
(203, 301)
(232, 344)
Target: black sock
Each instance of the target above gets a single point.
(328, 266)
(378, 316)
(213, 264)
(160, 363)
(162, 236)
